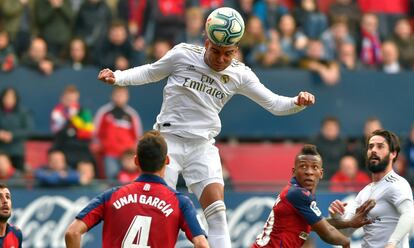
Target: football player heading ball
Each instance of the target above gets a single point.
(200, 82)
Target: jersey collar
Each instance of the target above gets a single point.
(149, 178)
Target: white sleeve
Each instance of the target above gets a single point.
(405, 223)
(276, 104)
(147, 73)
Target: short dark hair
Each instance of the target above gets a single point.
(152, 151)
(3, 186)
(390, 137)
(309, 149)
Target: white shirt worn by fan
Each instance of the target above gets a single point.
(389, 193)
(195, 94)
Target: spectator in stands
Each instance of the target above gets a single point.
(269, 12)
(194, 26)
(409, 154)
(54, 19)
(118, 128)
(92, 22)
(390, 62)
(273, 55)
(312, 22)
(404, 38)
(245, 8)
(349, 178)
(118, 48)
(7, 171)
(72, 126)
(347, 10)
(370, 41)
(129, 171)
(15, 126)
(347, 57)
(38, 58)
(327, 70)
(17, 19)
(56, 172)
(158, 50)
(86, 171)
(8, 58)
(356, 148)
(333, 37)
(330, 145)
(68, 107)
(78, 55)
(253, 43)
(292, 41)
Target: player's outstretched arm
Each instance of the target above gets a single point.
(106, 75)
(200, 241)
(330, 234)
(74, 233)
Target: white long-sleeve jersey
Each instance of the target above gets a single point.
(195, 94)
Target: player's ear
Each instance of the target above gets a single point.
(136, 160)
(167, 160)
(320, 178)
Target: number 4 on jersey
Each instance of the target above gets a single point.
(138, 233)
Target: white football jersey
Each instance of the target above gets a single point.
(388, 193)
(195, 94)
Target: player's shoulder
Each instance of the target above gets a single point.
(395, 182)
(16, 230)
(188, 48)
(298, 194)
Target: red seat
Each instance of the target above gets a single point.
(36, 153)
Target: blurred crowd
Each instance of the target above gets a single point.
(323, 36)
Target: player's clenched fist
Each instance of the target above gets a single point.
(305, 99)
(107, 76)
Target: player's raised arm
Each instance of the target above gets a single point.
(106, 75)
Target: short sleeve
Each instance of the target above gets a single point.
(303, 201)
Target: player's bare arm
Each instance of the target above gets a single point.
(330, 234)
(74, 233)
(200, 241)
(305, 99)
(106, 75)
(358, 220)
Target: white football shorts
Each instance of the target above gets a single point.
(198, 160)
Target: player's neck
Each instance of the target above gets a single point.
(376, 177)
(3, 226)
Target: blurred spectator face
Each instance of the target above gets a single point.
(118, 35)
(86, 171)
(308, 5)
(77, 50)
(5, 165)
(70, 98)
(371, 125)
(9, 99)
(160, 49)
(315, 49)
(340, 31)
(348, 166)
(254, 27)
(246, 5)
(120, 96)
(38, 49)
(57, 161)
(370, 23)
(403, 29)
(128, 163)
(347, 52)
(389, 52)
(194, 20)
(4, 40)
(330, 129)
(287, 25)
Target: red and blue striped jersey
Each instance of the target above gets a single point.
(146, 213)
(13, 237)
(290, 220)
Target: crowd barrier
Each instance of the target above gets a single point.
(44, 214)
(357, 96)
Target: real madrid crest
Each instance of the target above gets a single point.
(225, 78)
